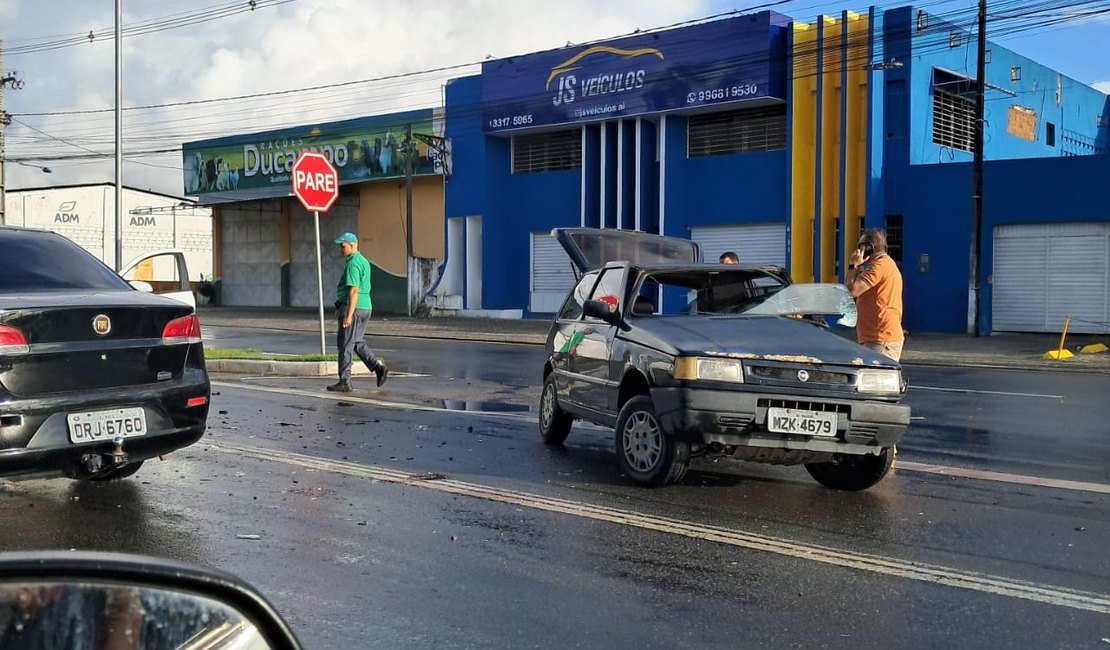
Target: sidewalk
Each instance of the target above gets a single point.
(1015, 351)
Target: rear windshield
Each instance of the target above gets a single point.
(33, 260)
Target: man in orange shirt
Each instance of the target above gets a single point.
(876, 283)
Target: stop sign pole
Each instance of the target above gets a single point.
(316, 186)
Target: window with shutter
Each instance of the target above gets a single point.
(738, 131)
(547, 152)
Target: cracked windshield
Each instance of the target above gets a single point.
(333, 324)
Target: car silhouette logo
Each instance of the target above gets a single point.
(101, 324)
(572, 63)
(803, 375)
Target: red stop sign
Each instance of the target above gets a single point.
(315, 181)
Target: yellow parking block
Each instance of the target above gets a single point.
(1094, 348)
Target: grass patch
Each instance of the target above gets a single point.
(232, 353)
(251, 353)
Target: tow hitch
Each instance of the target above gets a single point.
(97, 463)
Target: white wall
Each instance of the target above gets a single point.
(86, 214)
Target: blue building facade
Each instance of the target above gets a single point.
(781, 140)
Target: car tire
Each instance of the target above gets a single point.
(115, 474)
(645, 452)
(555, 423)
(851, 472)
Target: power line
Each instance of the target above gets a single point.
(957, 19)
(939, 41)
(151, 26)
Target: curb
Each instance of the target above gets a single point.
(281, 368)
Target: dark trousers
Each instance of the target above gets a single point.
(350, 341)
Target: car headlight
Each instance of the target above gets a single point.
(729, 370)
(888, 382)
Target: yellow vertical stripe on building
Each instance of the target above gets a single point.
(832, 60)
(856, 132)
(803, 149)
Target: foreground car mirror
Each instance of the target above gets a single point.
(106, 600)
(603, 310)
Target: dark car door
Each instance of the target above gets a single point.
(564, 342)
(594, 352)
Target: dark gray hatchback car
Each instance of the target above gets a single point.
(747, 368)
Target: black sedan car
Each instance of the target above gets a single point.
(685, 359)
(95, 376)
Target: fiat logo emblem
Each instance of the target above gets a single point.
(803, 375)
(101, 324)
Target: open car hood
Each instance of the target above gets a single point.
(593, 248)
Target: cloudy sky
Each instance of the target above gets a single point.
(179, 55)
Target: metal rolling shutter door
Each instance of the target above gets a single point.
(1046, 272)
(761, 243)
(552, 274)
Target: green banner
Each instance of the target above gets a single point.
(361, 149)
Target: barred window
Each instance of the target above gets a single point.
(739, 131)
(953, 120)
(547, 152)
(894, 237)
(1073, 143)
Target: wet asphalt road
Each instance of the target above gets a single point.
(441, 528)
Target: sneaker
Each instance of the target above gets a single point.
(382, 371)
(342, 386)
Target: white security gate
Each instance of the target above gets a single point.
(1046, 272)
(759, 243)
(302, 255)
(249, 241)
(552, 274)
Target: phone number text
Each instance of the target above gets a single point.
(724, 92)
(514, 120)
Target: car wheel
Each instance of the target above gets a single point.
(851, 472)
(114, 474)
(554, 422)
(645, 452)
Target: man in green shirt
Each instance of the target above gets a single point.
(353, 308)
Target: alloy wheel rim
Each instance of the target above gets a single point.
(642, 441)
(547, 406)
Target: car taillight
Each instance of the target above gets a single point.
(182, 330)
(12, 341)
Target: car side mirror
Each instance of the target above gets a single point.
(145, 287)
(131, 601)
(602, 310)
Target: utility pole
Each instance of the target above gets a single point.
(977, 177)
(410, 260)
(407, 145)
(5, 79)
(119, 136)
(16, 83)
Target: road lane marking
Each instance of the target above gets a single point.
(971, 391)
(1001, 477)
(982, 475)
(370, 401)
(368, 375)
(892, 567)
